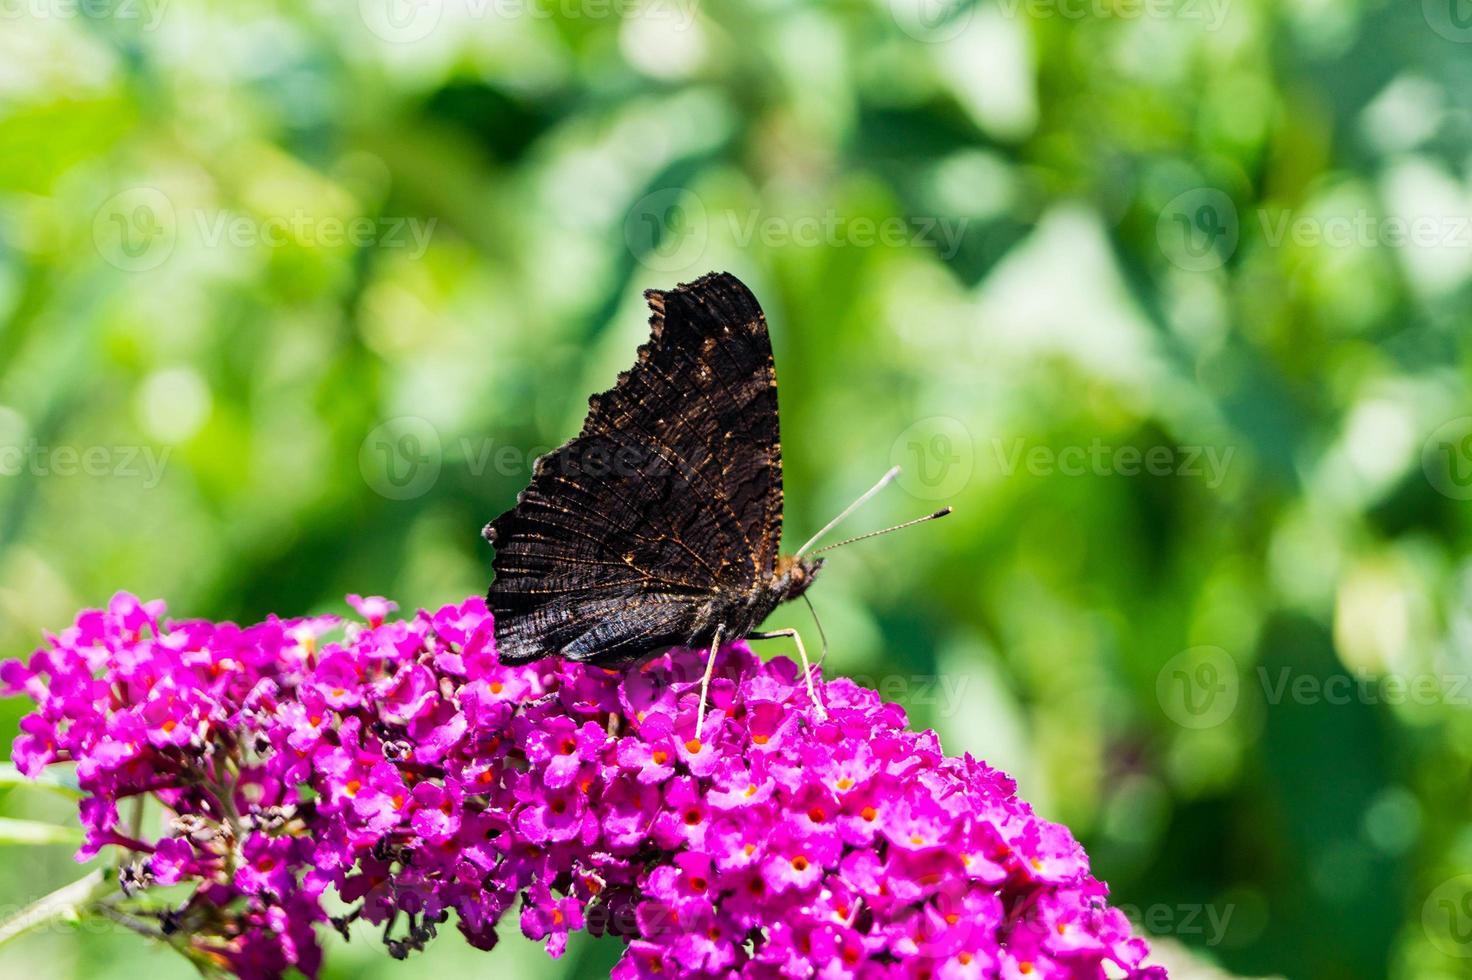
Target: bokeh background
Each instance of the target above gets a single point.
(1168, 298)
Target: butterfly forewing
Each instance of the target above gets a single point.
(667, 502)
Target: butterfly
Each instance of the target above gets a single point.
(660, 523)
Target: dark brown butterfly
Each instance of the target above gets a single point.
(659, 524)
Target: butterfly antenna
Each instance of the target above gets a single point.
(822, 637)
(884, 480)
(874, 534)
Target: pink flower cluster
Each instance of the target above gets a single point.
(399, 765)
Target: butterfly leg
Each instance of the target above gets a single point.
(807, 671)
(710, 668)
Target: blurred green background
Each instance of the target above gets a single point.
(1169, 298)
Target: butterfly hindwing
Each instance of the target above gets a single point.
(667, 502)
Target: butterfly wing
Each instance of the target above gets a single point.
(667, 502)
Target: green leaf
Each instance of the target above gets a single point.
(35, 832)
(56, 782)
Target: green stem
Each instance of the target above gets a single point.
(67, 904)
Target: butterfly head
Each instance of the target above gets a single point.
(794, 575)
